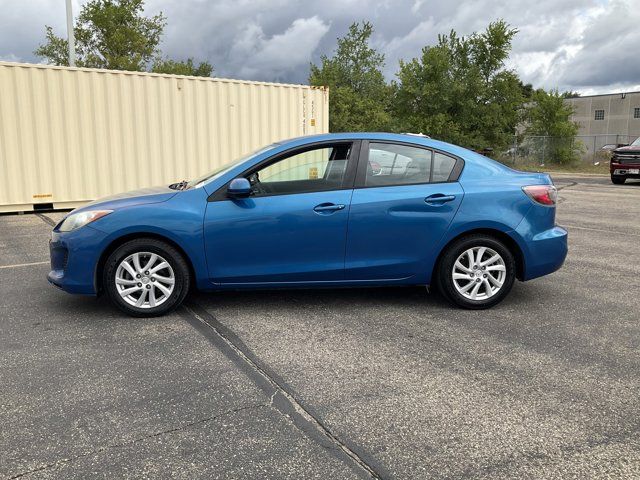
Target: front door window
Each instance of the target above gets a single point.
(315, 170)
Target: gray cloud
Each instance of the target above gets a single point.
(585, 45)
(608, 50)
(278, 57)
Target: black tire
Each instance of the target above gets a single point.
(172, 256)
(617, 179)
(444, 272)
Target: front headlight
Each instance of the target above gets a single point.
(80, 219)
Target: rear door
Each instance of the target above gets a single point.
(293, 228)
(404, 200)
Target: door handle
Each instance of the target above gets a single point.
(439, 199)
(328, 207)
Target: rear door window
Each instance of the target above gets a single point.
(398, 164)
(442, 167)
(393, 164)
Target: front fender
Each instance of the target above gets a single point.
(179, 220)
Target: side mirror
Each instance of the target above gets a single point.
(239, 188)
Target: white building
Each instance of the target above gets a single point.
(612, 114)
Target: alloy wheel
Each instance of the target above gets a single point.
(479, 273)
(145, 280)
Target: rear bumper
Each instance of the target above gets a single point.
(544, 252)
(74, 256)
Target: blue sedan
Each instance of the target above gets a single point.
(328, 210)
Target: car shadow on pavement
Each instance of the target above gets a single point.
(352, 298)
(338, 297)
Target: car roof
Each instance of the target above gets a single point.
(416, 139)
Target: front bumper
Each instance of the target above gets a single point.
(622, 169)
(74, 257)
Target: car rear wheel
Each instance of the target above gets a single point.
(146, 277)
(617, 179)
(476, 272)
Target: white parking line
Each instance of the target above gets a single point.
(18, 265)
(601, 230)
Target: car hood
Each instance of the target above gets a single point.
(128, 199)
(628, 150)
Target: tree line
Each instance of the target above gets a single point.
(457, 90)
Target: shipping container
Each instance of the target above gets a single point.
(71, 135)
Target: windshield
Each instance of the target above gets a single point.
(636, 142)
(226, 167)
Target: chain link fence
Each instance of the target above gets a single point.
(542, 150)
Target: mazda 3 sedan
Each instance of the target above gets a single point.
(365, 209)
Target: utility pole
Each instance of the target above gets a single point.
(71, 40)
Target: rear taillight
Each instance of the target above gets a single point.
(542, 194)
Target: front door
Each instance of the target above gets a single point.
(293, 227)
(403, 204)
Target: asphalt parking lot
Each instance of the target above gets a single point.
(382, 383)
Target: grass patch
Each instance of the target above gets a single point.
(579, 167)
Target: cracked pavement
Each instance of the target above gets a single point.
(328, 383)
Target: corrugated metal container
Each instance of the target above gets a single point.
(71, 135)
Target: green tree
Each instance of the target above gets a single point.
(359, 95)
(527, 91)
(55, 50)
(111, 34)
(460, 91)
(188, 67)
(549, 116)
(116, 35)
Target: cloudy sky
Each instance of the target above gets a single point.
(590, 46)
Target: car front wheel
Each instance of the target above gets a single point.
(617, 179)
(146, 277)
(476, 272)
